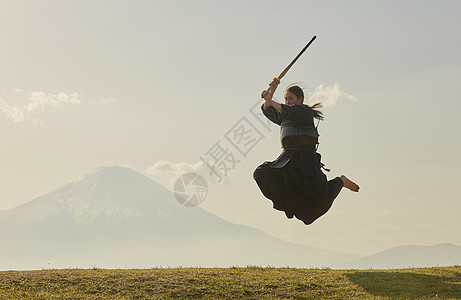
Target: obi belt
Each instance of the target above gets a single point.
(304, 157)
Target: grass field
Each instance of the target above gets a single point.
(232, 283)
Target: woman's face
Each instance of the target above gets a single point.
(291, 99)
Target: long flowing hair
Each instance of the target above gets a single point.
(300, 93)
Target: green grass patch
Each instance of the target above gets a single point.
(232, 283)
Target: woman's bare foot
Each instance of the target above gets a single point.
(349, 184)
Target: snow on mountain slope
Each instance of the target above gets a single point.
(117, 216)
(109, 193)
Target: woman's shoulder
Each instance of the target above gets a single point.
(298, 113)
(300, 107)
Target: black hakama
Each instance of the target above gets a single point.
(294, 182)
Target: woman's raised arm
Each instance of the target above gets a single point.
(267, 95)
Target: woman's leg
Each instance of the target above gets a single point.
(349, 184)
(270, 182)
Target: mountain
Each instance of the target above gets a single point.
(116, 217)
(410, 256)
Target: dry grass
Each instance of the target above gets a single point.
(232, 283)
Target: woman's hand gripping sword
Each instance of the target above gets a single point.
(276, 81)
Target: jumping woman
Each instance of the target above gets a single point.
(294, 182)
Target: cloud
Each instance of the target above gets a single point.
(12, 112)
(19, 105)
(176, 169)
(39, 101)
(22, 106)
(166, 172)
(329, 95)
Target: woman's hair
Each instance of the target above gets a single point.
(300, 93)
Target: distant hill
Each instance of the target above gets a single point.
(116, 217)
(409, 256)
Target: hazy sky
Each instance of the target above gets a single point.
(158, 85)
